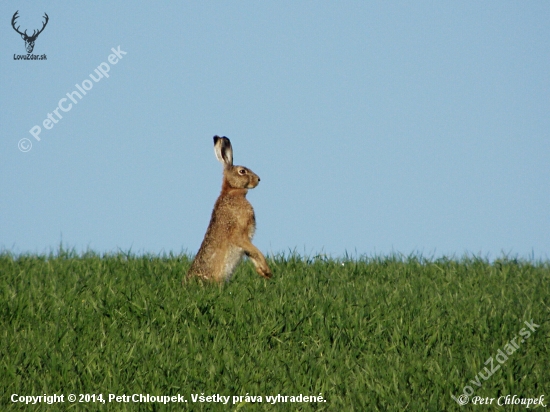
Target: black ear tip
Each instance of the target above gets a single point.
(216, 138)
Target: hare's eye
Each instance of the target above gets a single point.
(242, 171)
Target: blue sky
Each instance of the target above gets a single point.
(376, 127)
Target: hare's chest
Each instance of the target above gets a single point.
(252, 228)
(235, 217)
(250, 222)
(242, 214)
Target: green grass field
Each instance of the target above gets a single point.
(358, 335)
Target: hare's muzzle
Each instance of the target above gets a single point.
(253, 182)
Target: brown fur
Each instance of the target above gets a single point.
(232, 225)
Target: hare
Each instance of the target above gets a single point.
(232, 225)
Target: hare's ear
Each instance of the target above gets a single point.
(223, 150)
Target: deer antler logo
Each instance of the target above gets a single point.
(29, 40)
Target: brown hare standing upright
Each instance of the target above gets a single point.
(232, 225)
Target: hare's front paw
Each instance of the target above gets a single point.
(265, 272)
